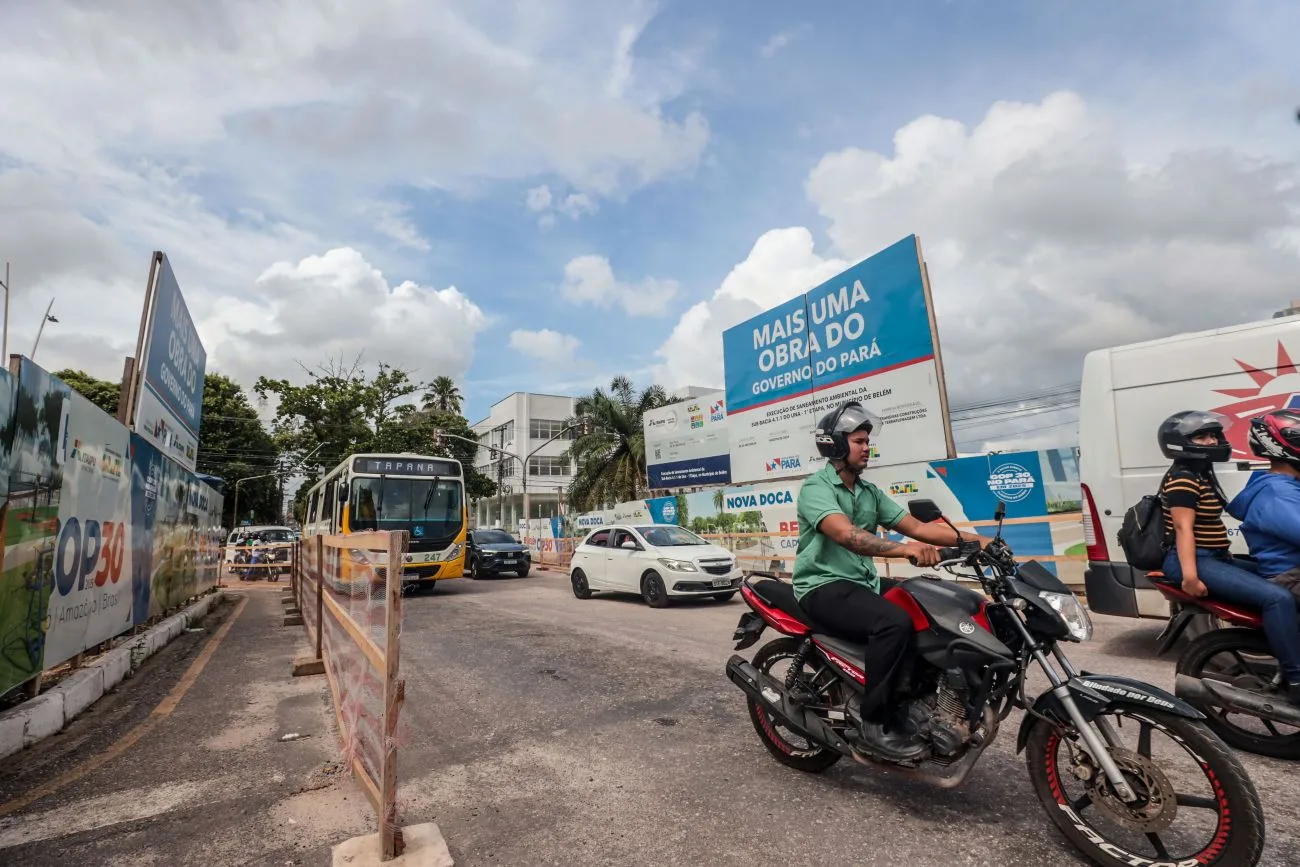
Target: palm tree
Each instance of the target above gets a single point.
(610, 454)
(718, 500)
(443, 395)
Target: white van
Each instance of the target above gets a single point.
(1241, 372)
(267, 532)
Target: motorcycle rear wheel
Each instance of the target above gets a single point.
(1240, 644)
(1238, 839)
(812, 759)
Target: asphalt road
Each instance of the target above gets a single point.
(540, 729)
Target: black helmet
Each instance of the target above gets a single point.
(832, 433)
(1276, 436)
(1176, 434)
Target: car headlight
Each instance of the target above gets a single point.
(1075, 616)
(678, 565)
(453, 553)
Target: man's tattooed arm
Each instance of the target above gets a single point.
(867, 544)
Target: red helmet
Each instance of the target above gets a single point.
(1276, 435)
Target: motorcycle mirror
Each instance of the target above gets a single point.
(924, 511)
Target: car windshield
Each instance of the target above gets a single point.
(428, 508)
(493, 537)
(668, 536)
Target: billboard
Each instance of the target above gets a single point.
(686, 443)
(75, 572)
(169, 400)
(868, 334)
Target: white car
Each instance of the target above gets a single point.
(659, 561)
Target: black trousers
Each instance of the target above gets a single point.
(852, 612)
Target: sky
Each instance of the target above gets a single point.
(537, 197)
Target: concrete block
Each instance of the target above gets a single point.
(116, 665)
(80, 690)
(13, 723)
(425, 847)
(294, 620)
(155, 639)
(173, 626)
(44, 716)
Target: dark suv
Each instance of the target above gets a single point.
(492, 552)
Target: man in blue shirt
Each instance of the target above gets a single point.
(835, 578)
(1269, 506)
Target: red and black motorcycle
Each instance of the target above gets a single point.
(1113, 800)
(1230, 674)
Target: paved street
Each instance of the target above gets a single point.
(540, 729)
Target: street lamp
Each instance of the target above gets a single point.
(235, 511)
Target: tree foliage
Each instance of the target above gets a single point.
(443, 396)
(610, 455)
(235, 445)
(100, 392)
(342, 410)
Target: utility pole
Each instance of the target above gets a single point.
(4, 351)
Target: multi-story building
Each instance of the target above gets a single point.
(521, 424)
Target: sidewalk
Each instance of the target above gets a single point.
(183, 763)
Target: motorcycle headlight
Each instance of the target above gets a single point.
(678, 565)
(1075, 616)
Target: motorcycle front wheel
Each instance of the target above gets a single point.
(1206, 812)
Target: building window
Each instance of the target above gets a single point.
(544, 429)
(548, 466)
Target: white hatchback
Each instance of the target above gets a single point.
(658, 561)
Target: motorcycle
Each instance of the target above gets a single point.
(973, 651)
(1230, 671)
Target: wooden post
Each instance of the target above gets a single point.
(390, 838)
(320, 592)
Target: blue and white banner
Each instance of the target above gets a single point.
(686, 443)
(864, 334)
(169, 404)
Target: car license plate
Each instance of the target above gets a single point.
(721, 582)
(509, 562)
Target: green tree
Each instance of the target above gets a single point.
(443, 396)
(683, 511)
(342, 411)
(100, 392)
(234, 445)
(610, 456)
(718, 500)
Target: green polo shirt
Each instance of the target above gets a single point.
(819, 559)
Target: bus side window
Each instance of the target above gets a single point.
(328, 515)
(313, 506)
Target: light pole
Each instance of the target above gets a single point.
(234, 515)
(39, 331)
(4, 352)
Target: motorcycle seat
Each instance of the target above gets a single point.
(780, 595)
(850, 650)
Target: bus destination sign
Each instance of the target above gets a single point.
(404, 467)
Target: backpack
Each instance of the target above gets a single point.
(1142, 535)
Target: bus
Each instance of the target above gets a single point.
(425, 496)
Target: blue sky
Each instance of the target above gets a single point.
(284, 158)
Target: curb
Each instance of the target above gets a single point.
(50, 712)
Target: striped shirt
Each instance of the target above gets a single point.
(1186, 488)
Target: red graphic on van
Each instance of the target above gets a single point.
(1283, 390)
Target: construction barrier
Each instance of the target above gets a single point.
(351, 606)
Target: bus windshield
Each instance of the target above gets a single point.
(429, 509)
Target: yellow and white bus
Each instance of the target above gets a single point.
(425, 496)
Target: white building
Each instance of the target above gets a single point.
(521, 424)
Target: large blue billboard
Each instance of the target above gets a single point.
(865, 334)
(169, 403)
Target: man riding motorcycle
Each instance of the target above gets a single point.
(835, 580)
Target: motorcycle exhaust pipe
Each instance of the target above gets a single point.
(1225, 695)
(771, 695)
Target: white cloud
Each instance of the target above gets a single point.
(781, 40)
(591, 280)
(339, 305)
(538, 199)
(781, 265)
(238, 135)
(577, 204)
(545, 345)
(1043, 239)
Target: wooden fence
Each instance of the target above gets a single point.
(351, 605)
